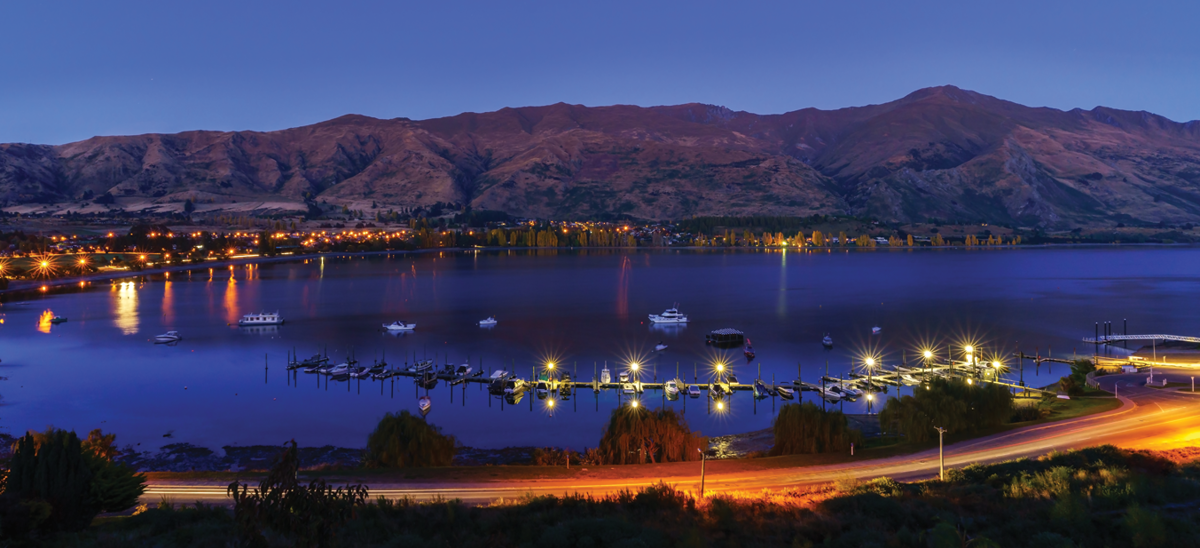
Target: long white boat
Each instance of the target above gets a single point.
(670, 315)
(399, 326)
(489, 322)
(262, 318)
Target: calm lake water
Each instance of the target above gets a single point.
(577, 308)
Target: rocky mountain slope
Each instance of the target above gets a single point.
(941, 152)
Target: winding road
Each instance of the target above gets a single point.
(1149, 418)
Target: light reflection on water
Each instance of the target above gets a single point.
(125, 307)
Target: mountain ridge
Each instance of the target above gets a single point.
(936, 153)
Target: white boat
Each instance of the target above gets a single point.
(827, 342)
(339, 369)
(909, 380)
(262, 318)
(623, 376)
(542, 389)
(168, 337)
(693, 391)
(833, 393)
(463, 370)
(421, 366)
(399, 326)
(490, 321)
(671, 315)
(672, 388)
(850, 390)
(628, 388)
(784, 392)
(605, 375)
(499, 375)
(424, 404)
(876, 330)
(660, 347)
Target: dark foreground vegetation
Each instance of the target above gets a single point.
(1100, 496)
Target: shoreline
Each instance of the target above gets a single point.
(20, 286)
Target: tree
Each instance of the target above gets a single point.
(805, 428)
(842, 239)
(188, 207)
(405, 440)
(953, 404)
(637, 435)
(910, 240)
(77, 482)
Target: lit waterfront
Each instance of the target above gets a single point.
(570, 307)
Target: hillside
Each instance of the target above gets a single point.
(943, 153)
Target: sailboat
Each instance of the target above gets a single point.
(827, 342)
(748, 350)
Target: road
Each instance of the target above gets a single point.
(1149, 418)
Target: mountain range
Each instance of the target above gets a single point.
(939, 153)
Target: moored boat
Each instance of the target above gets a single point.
(490, 321)
(399, 326)
(827, 342)
(424, 404)
(262, 318)
(670, 315)
(168, 337)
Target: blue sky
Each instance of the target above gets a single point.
(71, 70)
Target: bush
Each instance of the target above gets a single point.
(805, 428)
(306, 515)
(405, 440)
(951, 404)
(635, 435)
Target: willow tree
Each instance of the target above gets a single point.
(805, 428)
(956, 405)
(405, 440)
(636, 435)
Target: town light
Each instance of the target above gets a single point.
(928, 355)
(633, 403)
(996, 364)
(969, 349)
(633, 366)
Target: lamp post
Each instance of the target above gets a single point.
(941, 456)
(928, 354)
(701, 451)
(870, 363)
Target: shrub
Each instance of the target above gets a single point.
(805, 428)
(307, 515)
(407, 440)
(638, 435)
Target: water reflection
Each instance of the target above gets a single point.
(168, 303)
(231, 315)
(126, 308)
(44, 321)
(623, 288)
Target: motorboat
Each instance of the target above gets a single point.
(360, 373)
(785, 392)
(623, 377)
(489, 322)
(850, 390)
(399, 326)
(421, 366)
(542, 389)
(671, 387)
(428, 380)
(424, 404)
(514, 386)
(262, 318)
(909, 380)
(564, 385)
(714, 391)
(605, 375)
(168, 337)
(670, 315)
(628, 388)
(463, 370)
(876, 330)
(833, 393)
(660, 347)
(731, 379)
(760, 391)
(338, 369)
(693, 391)
(58, 319)
(827, 342)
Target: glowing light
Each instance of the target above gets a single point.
(870, 397)
(549, 403)
(633, 366)
(720, 406)
(928, 355)
(550, 365)
(720, 367)
(996, 365)
(969, 381)
(633, 403)
(969, 349)
(870, 362)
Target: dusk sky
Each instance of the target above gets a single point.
(72, 70)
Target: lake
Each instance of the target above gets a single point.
(577, 308)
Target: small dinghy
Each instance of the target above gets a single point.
(424, 404)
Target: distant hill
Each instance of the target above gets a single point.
(942, 152)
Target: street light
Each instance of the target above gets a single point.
(702, 455)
